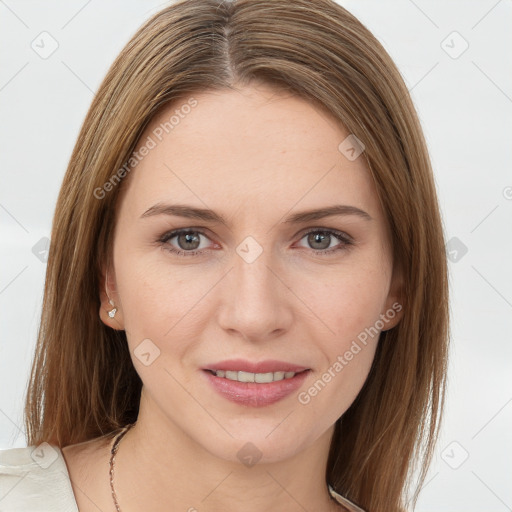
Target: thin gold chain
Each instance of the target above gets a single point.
(115, 447)
(113, 452)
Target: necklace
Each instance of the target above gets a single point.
(113, 452)
(115, 447)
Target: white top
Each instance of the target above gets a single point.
(36, 479)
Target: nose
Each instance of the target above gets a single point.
(256, 303)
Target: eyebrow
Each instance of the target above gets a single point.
(204, 214)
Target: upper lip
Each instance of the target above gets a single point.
(256, 367)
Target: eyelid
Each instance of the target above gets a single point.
(176, 232)
(342, 234)
(345, 239)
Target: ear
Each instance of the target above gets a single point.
(108, 291)
(394, 307)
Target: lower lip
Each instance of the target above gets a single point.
(253, 394)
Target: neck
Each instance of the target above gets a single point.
(158, 464)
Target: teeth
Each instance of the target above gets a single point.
(261, 378)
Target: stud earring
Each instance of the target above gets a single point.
(112, 312)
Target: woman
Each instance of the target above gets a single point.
(246, 297)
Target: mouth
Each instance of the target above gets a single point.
(259, 378)
(253, 388)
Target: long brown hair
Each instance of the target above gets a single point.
(83, 383)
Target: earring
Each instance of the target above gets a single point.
(112, 312)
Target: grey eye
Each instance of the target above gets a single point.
(189, 240)
(319, 240)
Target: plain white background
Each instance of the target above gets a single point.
(455, 58)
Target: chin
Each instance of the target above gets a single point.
(262, 441)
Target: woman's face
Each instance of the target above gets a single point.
(265, 283)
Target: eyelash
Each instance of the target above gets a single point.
(347, 242)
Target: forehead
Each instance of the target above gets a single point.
(250, 148)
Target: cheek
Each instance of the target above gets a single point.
(160, 301)
(349, 307)
(139, 285)
(352, 317)
(348, 349)
(346, 300)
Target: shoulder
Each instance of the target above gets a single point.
(35, 478)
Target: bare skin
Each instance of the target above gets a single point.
(255, 156)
